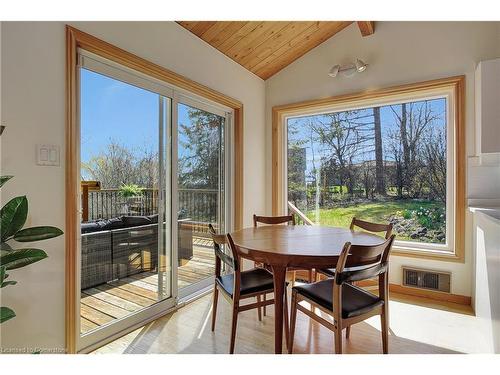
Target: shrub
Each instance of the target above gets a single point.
(131, 190)
(430, 218)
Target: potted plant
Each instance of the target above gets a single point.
(12, 219)
(132, 194)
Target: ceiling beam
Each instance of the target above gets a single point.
(366, 27)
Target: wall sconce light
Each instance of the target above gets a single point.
(348, 70)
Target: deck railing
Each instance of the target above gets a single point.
(200, 205)
(300, 217)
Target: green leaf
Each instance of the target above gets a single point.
(21, 257)
(13, 216)
(4, 179)
(6, 314)
(37, 234)
(4, 246)
(7, 283)
(3, 275)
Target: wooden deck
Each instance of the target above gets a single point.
(107, 302)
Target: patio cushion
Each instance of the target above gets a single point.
(153, 218)
(90, 227)
(133, 221)
(355, 301)
(110, 224)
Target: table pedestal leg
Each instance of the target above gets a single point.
(279, 275)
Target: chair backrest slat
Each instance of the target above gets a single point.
(272, 220)
(350, 275)
(373, 258)
(221, 244)
(372, 227)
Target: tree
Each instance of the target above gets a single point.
(346, 135)
(379, 159)
(119, 165)
(395, 151)
(200, 159)
(297, 165)
(435, 161)
(413, 120)
(368, 178)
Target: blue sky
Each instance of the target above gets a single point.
(117, 111)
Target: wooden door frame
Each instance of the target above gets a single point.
(77, 39)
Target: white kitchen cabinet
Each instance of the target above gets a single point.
(487, 94)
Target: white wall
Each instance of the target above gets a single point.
(398, 53)
(33, 100)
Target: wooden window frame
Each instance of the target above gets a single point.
(76, 39)
(455, 84)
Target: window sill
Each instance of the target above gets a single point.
(445, 256)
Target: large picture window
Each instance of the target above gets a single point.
(381, 158)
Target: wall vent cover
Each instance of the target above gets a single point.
(427, 279)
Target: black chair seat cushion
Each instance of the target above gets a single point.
(355, 301)
(330, 272)
(252, 281)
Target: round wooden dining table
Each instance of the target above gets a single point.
(301, 246)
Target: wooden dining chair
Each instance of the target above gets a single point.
(239, 285)
(275, 220)
(365, 225)
(348, 304)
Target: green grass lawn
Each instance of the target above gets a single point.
(377, 212)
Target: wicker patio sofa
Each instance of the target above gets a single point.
(119, 247)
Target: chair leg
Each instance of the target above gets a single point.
(294, 275)
(233, 329)
(385, 330)
(293, 319)
(338, 340)
(259, 309)
(214, 307)
(348, 332)
(264, 308)
(311, 279)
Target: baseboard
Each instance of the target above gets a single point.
(424, 293)
(431, 294)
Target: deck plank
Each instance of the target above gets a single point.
(94, 315)
(125, 285)
(105, 307)
(112, 299)
(87, 325)
(125, 294)
(104, 303)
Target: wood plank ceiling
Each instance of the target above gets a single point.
(266, 47)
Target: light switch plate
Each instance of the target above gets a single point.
(48, 155)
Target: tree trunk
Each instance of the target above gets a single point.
(406, 148)
(379, 161)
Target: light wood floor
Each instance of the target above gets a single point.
(105, 303)
(417, 326)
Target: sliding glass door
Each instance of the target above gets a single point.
(154, 174)
(126, 155)
(201, 190)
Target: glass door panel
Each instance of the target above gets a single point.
(201, 192)
(126, 265)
